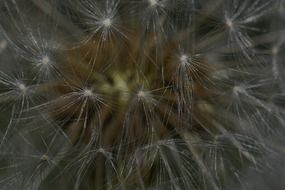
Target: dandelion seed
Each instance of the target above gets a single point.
(275, 50)
(153, 2)
(230, 24)
(141, 94)
(3, 45)
(107, 22)
(87, 93)
(22, 87)
(44, 157)
(45, 61)
(183, 59)
(275, 67)
(147, 97)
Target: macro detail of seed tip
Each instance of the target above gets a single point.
(142, 94)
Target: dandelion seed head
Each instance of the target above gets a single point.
(175, 114)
